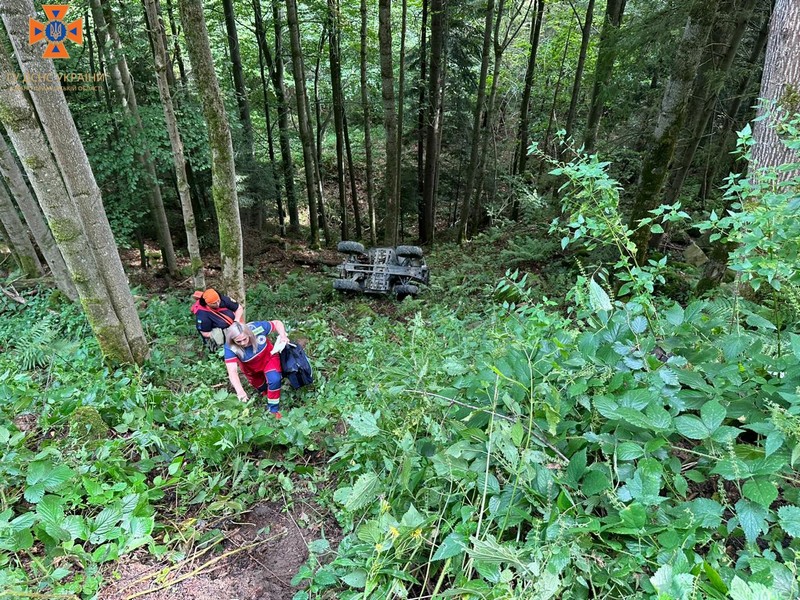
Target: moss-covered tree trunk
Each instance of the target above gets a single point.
(304, 120)
(24, 252)
(223, 171)
(373, 233)
(670, 119)
(32, 214)
(586, 32)
(475, 145)
(179, 159)
(604, 69)
(126, 96)
(780, 87)
(392, 213)
(86, 258)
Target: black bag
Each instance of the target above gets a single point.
(295, 366)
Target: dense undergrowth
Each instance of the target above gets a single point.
(482, 442)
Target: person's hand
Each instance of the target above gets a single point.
(280, 343)
(243, 397)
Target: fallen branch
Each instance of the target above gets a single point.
(14, 295)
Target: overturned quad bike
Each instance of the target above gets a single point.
(396, 271)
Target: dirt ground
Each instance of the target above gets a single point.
(261, 553)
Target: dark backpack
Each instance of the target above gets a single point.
(295, 366)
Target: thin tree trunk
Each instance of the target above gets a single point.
(525, 106)
(243, 105)
(551, 117)
(92, 68)
(367, 135)
(99, 37)
(434, 120)
(176, 52)
(223, 171)
(401, 79)
(320, 133)
(179, 159)
(421, 110)
(604, 68)
(670, 119)
(25, 253)
(276, 72)
(779, 88)
(103, 18)
(31, 212)
(466, 206)
(76, 215)
(392, 216)
(708, 85)
(338, 110)
(586, 33)
(259, 23)
(306, 135)
(167, 44)
(352, 173)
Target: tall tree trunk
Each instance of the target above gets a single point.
(710, 81)
(466, 206)
(25, 253)
(401, 79)
(166, 42)
(103, 18)
(223, 171)
(367, 134)
(243, 106)
(99, 37)
(525, 106)
(392, 216)
(433, 132)
(421, 110)
(12, 175)
(76, 215)
(352, 172)
(670, 119)
(176, 52)
(306, 135)
(179, 159)
(276, 73)
(586, 33)
(604, 68)
(92, 67)
(259, 23)
(779, 87)
(338, 109)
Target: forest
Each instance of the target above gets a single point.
(594, 395)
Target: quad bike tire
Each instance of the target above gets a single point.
(348, 247)
(408, 252)
(406, 290)
(346, 285)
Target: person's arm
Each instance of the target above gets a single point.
(277, 327)
(238, 315)
(233, 377)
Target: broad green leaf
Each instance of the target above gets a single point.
(752, 519)
(371, 532)
(706, 512)
(789, 519)
(365, 423)
(629, 451)
(412, 518)
(598, 298)
(105, 521)
(364, 491)
(639, 324)
(691, 427)
(595, 482)
(634, 515)
(741, 590)
(576, 467)
(356, 579)
(76, 526)
(50, 510)
(34, 493)
(761, 492)
(712, 414)
(674, 314)
(141, 527)
(319, 546)
(453, 545)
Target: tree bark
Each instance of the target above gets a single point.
(223, 171)
(103, 18)
(438, 11)
(306, 135)
(466, 206)
(260, 35)
(604, 69)
(780, 87)
(338, 110)
(401, 81)
(367, 125)
(176, 52)
(392, 216)
(25, 253)
(421, 111)
(670, 119)
(31, 212)
(525, 106)
(586, 33)
(73, 206)
(276, 73)
(179, 159)
(352, 172)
